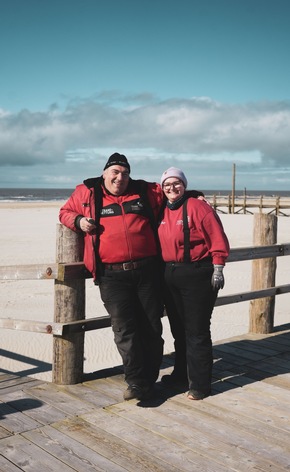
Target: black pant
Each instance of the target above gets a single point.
(194, 299)
(178, 333)
(133, 300)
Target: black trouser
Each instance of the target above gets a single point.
(178, 333)
(194, 299)
(133, 300)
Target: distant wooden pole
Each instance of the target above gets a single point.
(68, 351)
(233, 188)
(230, 203)
(263, 275)
(277, 206)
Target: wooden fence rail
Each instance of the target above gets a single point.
(76, 270)
(247, 204)
(69, 276)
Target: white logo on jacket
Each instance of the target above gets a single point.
(107, 211)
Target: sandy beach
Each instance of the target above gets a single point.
(28, 236)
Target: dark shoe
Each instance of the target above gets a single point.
(195, 395)
(139, 393)
(174, 379)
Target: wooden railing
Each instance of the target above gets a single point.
(65, 272)
(276, 205)
(69, 274)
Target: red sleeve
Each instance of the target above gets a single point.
(156, 197)
(72, 208)
(215, 237)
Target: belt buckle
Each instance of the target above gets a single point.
(128, 265)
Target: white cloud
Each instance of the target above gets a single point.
(200, 135)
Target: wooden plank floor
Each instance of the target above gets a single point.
(243, 426)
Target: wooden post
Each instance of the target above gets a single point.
(69, 305)
(229, 204)
(277, 206)
(263, 275)
(245, 201)
(233, 188)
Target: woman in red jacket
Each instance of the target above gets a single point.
(194, 248)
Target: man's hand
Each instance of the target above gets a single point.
(217, 280)
(201, 197)
(87, 225)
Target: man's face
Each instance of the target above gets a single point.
(116, 179)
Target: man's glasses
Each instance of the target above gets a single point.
(175, 184)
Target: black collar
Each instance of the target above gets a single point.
(177, 204)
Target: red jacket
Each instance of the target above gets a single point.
(207, 237)
(124, 229)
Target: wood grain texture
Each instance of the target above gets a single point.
(244, 426)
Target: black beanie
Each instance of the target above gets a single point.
(117, 159)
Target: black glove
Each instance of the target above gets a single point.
(217, 280)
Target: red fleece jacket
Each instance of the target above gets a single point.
(124, 229)
(207, 236)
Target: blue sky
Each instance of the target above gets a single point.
(198, 84)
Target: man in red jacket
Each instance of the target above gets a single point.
(115, 213)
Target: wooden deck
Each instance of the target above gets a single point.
(243, 426)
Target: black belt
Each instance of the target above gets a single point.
(130, 265)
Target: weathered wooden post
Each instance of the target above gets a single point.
(261, 204)
(277, 206)
(245, 201)
(229, 204)
(263, 275)
(69, 305)
(233, 188)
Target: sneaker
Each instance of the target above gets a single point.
(195, 395)
(137, 392)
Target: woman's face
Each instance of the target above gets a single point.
(173, 188)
